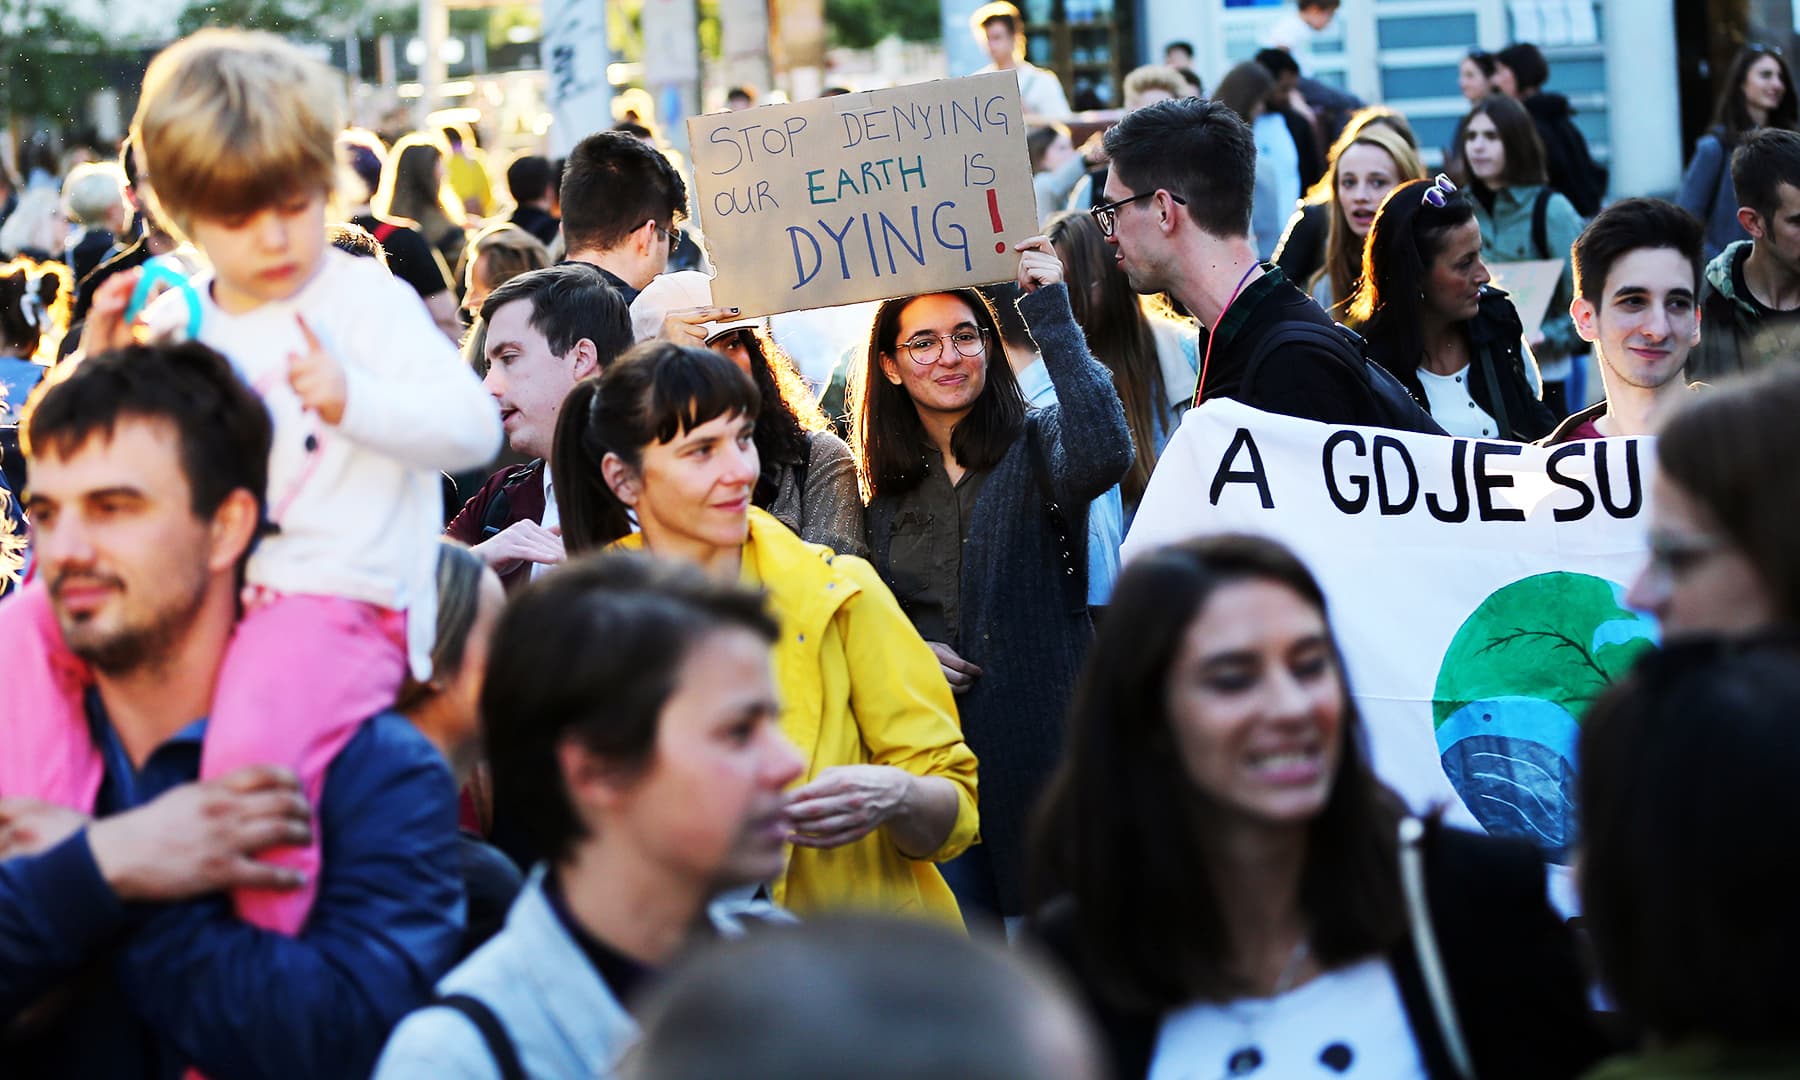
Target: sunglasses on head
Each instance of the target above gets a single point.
(1438, 194)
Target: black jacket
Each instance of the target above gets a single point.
(1510, 959)
(1570, 166)
(1302, 380)
(1495, 343)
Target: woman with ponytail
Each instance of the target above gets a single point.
(34, 313)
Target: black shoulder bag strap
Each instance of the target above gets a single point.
(1540, 223)
(1074, 578)
(1490, 374)
(499, 507)
(493, 1033)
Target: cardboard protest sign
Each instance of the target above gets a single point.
(1476, 588)
(1531, 285)
(864, 196)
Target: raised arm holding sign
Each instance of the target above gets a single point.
(864, 196)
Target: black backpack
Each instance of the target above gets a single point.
(1387, 402)
(1582, 178)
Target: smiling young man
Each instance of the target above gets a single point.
(1751, 296)
(545, 331)
(1637, 274)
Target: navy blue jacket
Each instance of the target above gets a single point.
(92, 987)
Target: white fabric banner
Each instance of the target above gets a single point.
(1476, 588)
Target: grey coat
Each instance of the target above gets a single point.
(829, 510)
(1707, 193)
(1017, 623)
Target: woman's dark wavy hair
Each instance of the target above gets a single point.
(1731, 117)
(1688, 809)
(885, 433)
(1123, 831)
(790, 412)
(650, 395)
(1403, 241)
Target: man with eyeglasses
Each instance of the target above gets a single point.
(1178, 215)
(621, 201)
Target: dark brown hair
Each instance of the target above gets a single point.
(1732, 450)
(1124, 833)
(1688, 809)
(1518, 137)
(45, 287)
(1198, 149)
(459, 573)
(1111, 316)
(885, 433)
(612, 184)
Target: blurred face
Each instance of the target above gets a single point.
(1470, 80)
(476, 286)
(1646, 321)
(1365, 174)
(1453, 283)
(1000, 43)
(1505, 82)
(126, 560)
(931, 364)
(1485, 152)
(1763, 86)
(1151, 96)
(1696, 580)
(464, 689)
(709, 808)
(1256, 702)
(734, 347)
(264, 256)
(1318, 17)
(1058, 153)
(1179, 59)
(527, 381)
(692, 493)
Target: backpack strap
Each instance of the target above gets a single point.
(493, 519)
(1071, 547)
(1490, 375)
(493, 1033)
(1540, 222)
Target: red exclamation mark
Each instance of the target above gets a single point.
(994, 216)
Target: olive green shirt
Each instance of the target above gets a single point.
(930, 526)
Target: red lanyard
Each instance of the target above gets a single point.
(1212, 334)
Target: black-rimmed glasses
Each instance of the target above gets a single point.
(1439, 192)
(1107, 214)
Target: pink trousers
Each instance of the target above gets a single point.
(301, 675)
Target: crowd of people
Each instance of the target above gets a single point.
(444, 639)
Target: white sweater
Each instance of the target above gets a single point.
(359, 512)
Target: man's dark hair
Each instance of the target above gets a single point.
(569, 302)
(835, 91)
(1688, 809)
(1184, 46)
(1762, 163)
(742, 93)
(1530, 70)
(1633, 225)
(1322, 5)
(613, 183)
(1278, 62)
(1004, 18)
(222, 425)
(801, 1001)
(528, 178)
(547, 685)
(1194, 148)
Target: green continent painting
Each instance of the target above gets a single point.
(1515, 682)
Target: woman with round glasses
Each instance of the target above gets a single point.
(976, 521)
(1425, 308)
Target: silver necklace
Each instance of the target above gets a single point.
(1249, 1057)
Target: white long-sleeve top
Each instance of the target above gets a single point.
(359, 505)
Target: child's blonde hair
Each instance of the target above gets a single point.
(231, 122)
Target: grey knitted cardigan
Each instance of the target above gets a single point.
(1017, 624)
